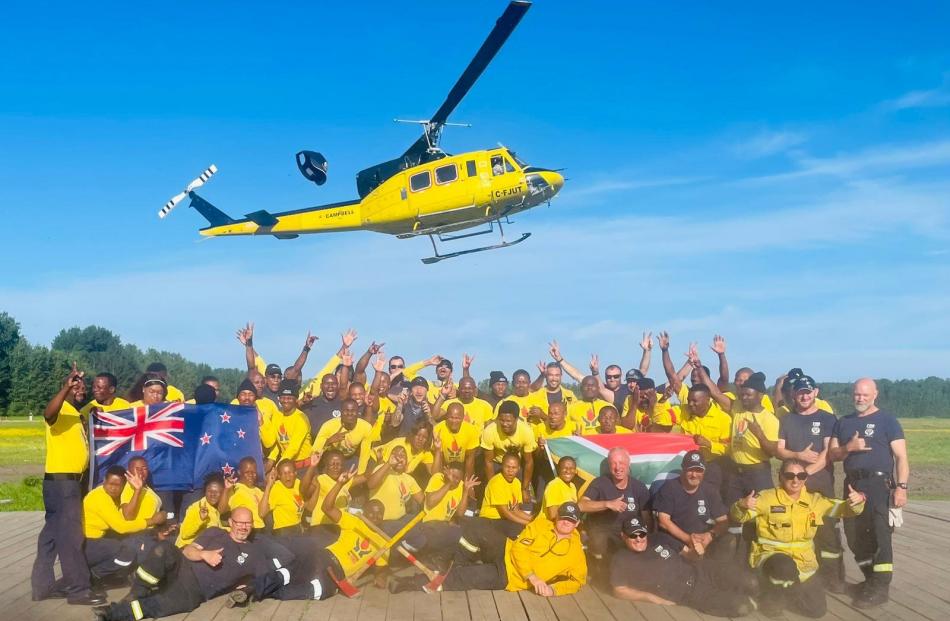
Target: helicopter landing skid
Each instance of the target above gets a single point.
(451, 255)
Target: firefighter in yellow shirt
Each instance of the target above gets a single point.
(103, 395)
(552, 390)
(319, 479)
(245, 493)
(173, 393)
(293, 429)
(478, 412)
(283, 498)
(521, 394)
(149, 390)
(556, 425)
(459, 440)
(561, 489)
(139, 502)
(585, 411)
(608, 422)
(204, 512)
(391, 485)
(547, 558)
(710, 427)
(423, 457)
(348, 434)
(508, 434)
(104, 525)
(653, 412)
(267, 413)
(786, 519)
(502, 508)
(446, 499)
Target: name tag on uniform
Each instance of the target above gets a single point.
(777, 509)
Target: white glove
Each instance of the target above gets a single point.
(895, 517)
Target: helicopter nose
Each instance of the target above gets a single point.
(554, 179)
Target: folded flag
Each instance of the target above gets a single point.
(182, 443)
(653, 456)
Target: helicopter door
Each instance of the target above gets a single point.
(507, 183)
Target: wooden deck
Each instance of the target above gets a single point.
(920, 591)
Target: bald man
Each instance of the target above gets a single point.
(871, 444)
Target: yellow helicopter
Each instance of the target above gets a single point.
(425, 191)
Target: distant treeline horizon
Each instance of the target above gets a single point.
(31, 374)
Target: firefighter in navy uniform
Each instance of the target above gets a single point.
(805, 434)
(786, 519)
(871, 443)
(67, 456)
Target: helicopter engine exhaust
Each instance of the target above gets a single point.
(313, 166)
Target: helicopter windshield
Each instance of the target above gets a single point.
(519, 162)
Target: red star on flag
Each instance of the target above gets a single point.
(225, 418)
(227, 469)
(241, 433)
(205, 439)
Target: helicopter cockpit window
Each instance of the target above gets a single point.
(497, 165)
(446, 174)
(420, 181)
(509, 168)
(518, 161)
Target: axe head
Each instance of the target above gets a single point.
(346, 587)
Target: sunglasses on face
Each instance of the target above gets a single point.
(613, 377)
(637, 536)
(397, 366)
(791, 476)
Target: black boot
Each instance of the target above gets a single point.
(873, 594)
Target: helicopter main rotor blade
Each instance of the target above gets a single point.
(496, 38)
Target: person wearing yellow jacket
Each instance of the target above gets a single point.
(547, 558)
(786, 519)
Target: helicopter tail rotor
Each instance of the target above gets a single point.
(203, 178)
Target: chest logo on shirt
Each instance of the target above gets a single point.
(282, 435)
(242, 557)
(335, 413)
(662, 551)
(701, 509)
(359, 550)
(451, 507)
(299, 502)
(869, 430)
(631, 503)
(455, 451)
(403, 492)
(816, 429)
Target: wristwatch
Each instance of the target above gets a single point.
(902, 485)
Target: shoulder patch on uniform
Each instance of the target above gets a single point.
(777, 509)
(526, 541)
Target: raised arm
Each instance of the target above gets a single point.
(719, 346)
(296, 371)
(329, 503)
(359, 373)
(555, 350)
(51, 413)
(663, 340)
(605, 393)
(245, 336)
(646, 344)
(722, 400)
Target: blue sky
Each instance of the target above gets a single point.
(774, 174)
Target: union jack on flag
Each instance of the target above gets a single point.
(137, 426)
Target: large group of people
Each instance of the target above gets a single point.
(368, 457)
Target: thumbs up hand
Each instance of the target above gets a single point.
(749, 502)
(857, 444)
(855, 497)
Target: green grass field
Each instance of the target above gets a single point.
(22, 452)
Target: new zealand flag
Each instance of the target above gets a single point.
(182, 443)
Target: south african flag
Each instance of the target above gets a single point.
(653, 456)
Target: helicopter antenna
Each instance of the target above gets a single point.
(191, 187)
(432, 131)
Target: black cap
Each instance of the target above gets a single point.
(445, 362)
(419, 381)
(793, 374)
(287, 387)
(632, 526)
(693, 459)
(496, 376)
(805, 382)
(756, 381)
(569, 511)
(247, 385)
(273, 369)
(645, 383)
(634, 374)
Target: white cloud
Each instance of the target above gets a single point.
(766, 143)
(929, 98)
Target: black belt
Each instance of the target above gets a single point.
(62, 476)
(857, 475)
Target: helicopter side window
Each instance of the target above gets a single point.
(446, 174)
(470, 168)
(420, 181)
(508, 167)
(497, 165)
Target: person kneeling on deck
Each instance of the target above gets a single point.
(169, 581)
(547, 558)
(786, 520)
(653, 567)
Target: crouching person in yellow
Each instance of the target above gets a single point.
(546, 558)
(786, 519)
(204, 512)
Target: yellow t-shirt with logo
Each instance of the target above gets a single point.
(394, 492)
(766, 402)
(149, 504)
(293, 435)
(249, 498)
(355, 543)
(386, 407)
(102, 515)
(715, 426)
(456, 446)
(585, 413)
(67, 451)
(539, 397)
(744, 447)
(664, 413)
(524, 404)
(479, 412)
(326, 483)
(286, 504)
(500, 493)
(445, 509)
(355, 440)
(521, 441)
(192, 525)
(556, 493)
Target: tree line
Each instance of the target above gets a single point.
(31, 374)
